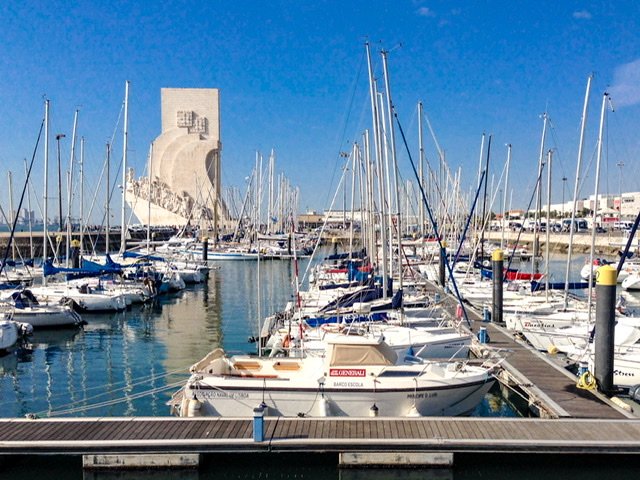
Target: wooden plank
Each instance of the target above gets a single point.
(21, 429)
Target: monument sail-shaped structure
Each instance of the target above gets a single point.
(184, 166)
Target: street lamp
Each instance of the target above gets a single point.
(620, 164)
(58, 137)
(564, 186)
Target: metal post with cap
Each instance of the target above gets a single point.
(497, 262)
(606, 280)
(442, 271)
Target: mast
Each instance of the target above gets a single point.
(575, 188)
(123, 222)
(504, 201)
(149, 199)
(60, 225)
(107, 208)
(69, 186)
(81, 191)
(394, 161)
(45, 229)
(603, 110)
(421, 166)
(536, 240)
(548, 229)
(377, 144)
(11, 213)
(29, 220)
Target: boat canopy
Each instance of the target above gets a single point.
(361, 354)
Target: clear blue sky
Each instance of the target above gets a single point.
(291, 77)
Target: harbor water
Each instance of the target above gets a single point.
(129, 363)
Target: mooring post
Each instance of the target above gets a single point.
(606, 279)
(497, 261)
(443, 269)
(205, 249)
(75, 253)
(258, 423)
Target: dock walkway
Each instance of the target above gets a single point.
(197, 435)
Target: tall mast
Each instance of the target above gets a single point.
(107, 207)
(394, 162)
(595, 198)
(536, 215)
(378, 149)
(82, 219)
(12, 215)
(70, 186)
(45, 213)
(575, 188)
(504, 201)
(149, 199)
(548, 228)
(29, 220)
(421, 166)
(123, 222)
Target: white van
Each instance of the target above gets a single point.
(622, 225)
(579, 225)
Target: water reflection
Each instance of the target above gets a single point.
(131, 362)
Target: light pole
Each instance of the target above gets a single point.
(564, 186)
(58, 137)
(620, 164)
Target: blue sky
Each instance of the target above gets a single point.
(292, 78)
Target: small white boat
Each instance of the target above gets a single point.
(25, 308)
(85, 297)
(8, 334)
(357, 377)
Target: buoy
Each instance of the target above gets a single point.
(373, 411)
(486, 314)
(552, 349)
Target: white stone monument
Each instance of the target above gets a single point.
(185, 164)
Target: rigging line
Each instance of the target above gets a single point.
(125, 384)
(433, 222)
(346, 120)
(108, 403)
(533, 194)
(24, 189)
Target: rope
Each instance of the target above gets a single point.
(587, 381)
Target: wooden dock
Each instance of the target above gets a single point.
(197, 435)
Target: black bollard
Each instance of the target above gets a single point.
(443, 269)
(497, 261)
(606, 279)
(205, 249)
(74, 253)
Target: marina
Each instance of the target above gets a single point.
(359, 297)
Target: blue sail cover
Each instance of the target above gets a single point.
(142, 256)
(536, 286)
(89, 269)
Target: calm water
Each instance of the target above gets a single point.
(131, 363)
